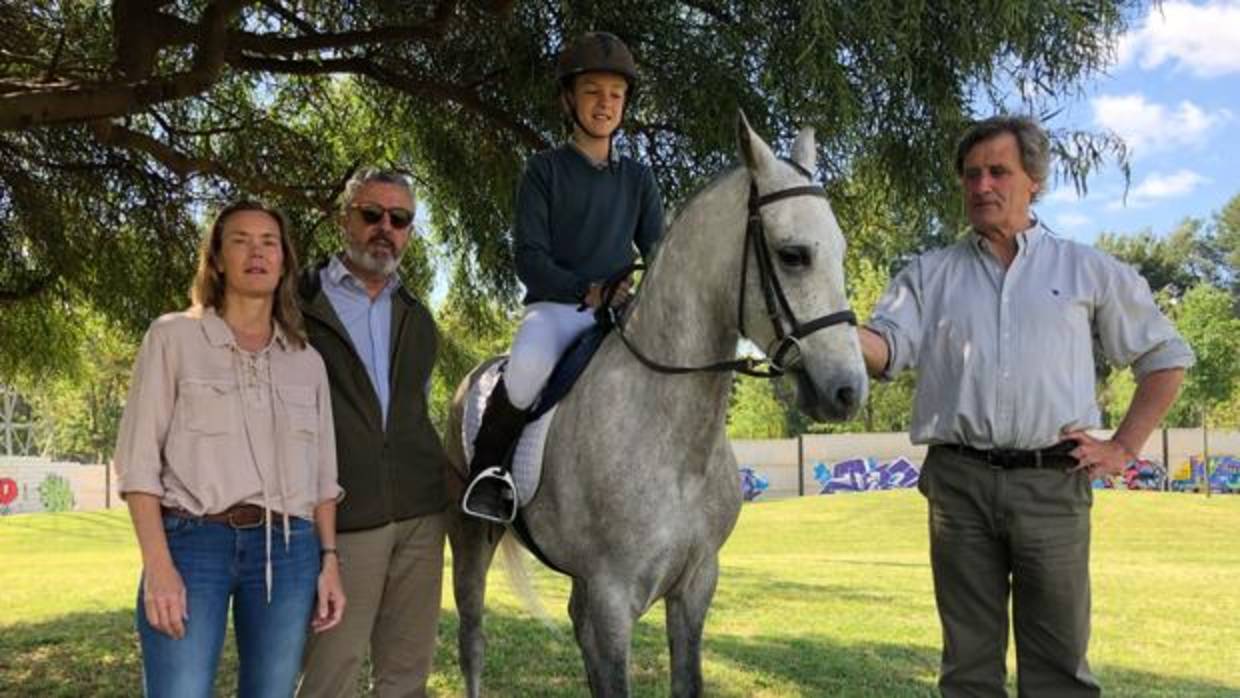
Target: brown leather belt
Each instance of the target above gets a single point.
(1053, 458)
(237, 516)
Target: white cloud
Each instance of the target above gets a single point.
(1203, 39)
(1149, 127)
(1158, 186)
(1063, 195)
(1071, 220)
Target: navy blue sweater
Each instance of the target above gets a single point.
(577, 224)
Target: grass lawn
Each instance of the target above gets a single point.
(821, 596)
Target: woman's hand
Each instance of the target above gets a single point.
(330, 607)
(164, 600)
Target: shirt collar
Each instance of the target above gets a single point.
(339, 275)
(1026, 239)
(219, 334)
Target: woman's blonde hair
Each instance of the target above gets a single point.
(208, 288)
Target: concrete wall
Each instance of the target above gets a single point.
(856, 462)
(769, 469)
(30, 484)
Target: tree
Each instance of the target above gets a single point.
(1174, 263)
(1227, 237)
(1208, 322)
(756, 412)
(79, 409)
(122, 123)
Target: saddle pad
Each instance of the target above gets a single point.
(527, 458)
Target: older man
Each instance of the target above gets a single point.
(379, 345)
(1001, 328)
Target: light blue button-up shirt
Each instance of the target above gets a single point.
(368, 322)
(1005, 358)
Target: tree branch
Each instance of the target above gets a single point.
(457, 94)
(28, 290)
(184, 166)
(79, 102)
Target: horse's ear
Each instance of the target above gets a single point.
(756, 155)
(804, 151)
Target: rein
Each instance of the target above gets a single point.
(777, 307)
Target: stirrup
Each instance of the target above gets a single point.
(501, 512)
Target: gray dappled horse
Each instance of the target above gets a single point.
(639, 486)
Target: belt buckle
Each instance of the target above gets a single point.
(241, 526)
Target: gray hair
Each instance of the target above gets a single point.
(369, 175)
(1031, 140)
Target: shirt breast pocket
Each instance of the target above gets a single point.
(210, 408)
(299, 403)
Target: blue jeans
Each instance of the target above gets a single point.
(217, 564)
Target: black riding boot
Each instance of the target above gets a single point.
(490, 494)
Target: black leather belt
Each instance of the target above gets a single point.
(1055, 457)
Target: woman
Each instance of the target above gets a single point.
(581, 209)
(227, 460)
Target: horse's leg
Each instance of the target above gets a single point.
(603, 620)
(686, 615)
(473, 546)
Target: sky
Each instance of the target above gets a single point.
(1174, 96)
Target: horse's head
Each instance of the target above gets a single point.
(794, 300)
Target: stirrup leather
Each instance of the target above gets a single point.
(505, 478)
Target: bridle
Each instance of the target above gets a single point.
(779, 359)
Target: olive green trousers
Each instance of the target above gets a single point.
(1020, 534)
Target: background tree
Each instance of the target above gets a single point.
(122, 123)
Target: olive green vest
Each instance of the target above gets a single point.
(393, 474)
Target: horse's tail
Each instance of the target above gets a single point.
(521, 581)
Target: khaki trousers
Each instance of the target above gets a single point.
(393, 582)
(1023, 533)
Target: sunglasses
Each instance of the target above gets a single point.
(373, 213)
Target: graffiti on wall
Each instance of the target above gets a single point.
(1139, 475)
(1224, 477)
(752, 484)
(866, 474)
(8, 494)
(36, 489)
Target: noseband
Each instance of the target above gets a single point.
(785, 351)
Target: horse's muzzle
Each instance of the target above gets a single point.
(837, 400)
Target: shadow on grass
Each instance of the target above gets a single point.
(97, 654)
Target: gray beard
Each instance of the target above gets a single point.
(359, 255)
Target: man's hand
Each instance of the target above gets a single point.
(163, 599)
(1096, 456)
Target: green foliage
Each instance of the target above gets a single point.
(472, 329)
(79, 407)
(756, 412)
(106, 208)
(1172, 263)
(1207, 320)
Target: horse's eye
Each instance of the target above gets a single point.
(794, 256)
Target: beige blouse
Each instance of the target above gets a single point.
(209, 425)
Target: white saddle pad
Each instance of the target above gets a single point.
(527, 460)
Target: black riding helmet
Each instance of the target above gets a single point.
(594, 52)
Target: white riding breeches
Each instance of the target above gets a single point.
(546, 331)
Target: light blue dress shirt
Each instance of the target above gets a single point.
(1005, 358)
(368, 322)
